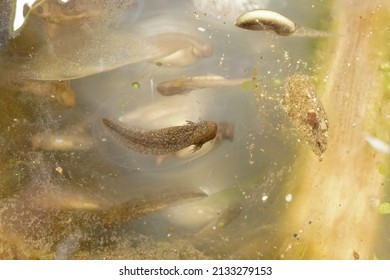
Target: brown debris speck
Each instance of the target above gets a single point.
(306, 112)
(355, 255)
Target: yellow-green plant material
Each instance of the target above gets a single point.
(384, 208)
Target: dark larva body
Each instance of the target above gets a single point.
(162, 141)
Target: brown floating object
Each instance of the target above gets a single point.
(306, 112)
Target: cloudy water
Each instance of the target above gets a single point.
(70, 189)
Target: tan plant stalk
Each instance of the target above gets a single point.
(334, 214)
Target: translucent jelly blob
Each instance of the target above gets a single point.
(150, 111)
(79, 12)
(228, 9)
(138, 104)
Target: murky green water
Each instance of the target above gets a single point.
(69, 190)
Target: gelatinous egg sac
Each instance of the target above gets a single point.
(228, 9)
(306, 112)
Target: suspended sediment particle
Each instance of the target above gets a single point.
(306, 112)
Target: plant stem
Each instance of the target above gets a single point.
(333, 214)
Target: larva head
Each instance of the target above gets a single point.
(206, 130)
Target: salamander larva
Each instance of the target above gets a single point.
(269, 20)
(165, 140)
(186, 84)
